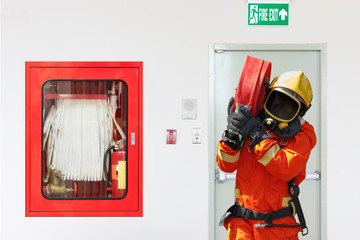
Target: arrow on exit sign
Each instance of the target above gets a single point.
(268, 13)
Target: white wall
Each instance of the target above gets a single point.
(171, 38)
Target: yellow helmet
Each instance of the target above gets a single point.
(289, 95)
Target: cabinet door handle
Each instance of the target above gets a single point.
(132, 138)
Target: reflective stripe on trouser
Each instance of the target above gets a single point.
(239, 228)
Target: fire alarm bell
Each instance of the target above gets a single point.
(171, 136)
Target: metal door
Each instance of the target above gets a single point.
(226, 62)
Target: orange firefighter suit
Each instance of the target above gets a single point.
(261, 180)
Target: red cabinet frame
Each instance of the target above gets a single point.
(39, 72)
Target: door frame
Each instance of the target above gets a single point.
(322, 49)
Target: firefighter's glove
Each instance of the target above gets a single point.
(252, 129)
(235, 120)
(232, 140)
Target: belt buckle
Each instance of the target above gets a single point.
(246, 214)
(305, 231)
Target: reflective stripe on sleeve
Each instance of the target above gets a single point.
(269, 155)
(227, 157)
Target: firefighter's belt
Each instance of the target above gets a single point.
(294, 208)
(242, 212)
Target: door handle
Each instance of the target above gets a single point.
(221, 176)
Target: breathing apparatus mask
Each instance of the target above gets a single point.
(288, 96)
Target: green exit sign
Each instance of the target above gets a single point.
(268, 13)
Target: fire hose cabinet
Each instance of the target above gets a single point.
(84, 139)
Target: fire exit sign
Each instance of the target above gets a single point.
(260, 13)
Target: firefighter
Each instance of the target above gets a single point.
(269, 152)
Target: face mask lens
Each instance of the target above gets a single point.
(282, 106)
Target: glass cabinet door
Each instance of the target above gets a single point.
(84, 145)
